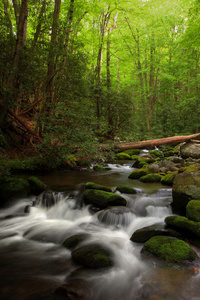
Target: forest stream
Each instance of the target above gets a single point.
(33, 262)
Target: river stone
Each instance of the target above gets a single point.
(136, 174)
(144, 234)
(118, 215)
(95, 186)
(169, 248)
(193, 210)
(124, 189)
(186, 186)
(13, 187)
(151, 178)
(154, 168)
(190, 149)
(74, 289)
(93, 256)
(186, 226)
(74, 240)
(103, 199)
(168, 179)
(36, 185)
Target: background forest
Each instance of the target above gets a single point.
(84, 71)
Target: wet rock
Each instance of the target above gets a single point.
(124, 189)
(144, 234)
(154, 168)
(48, 199)
(151, 178)
(74, 240)
(183, 224)
(74, 290)
(122, 156)
(168, 179)
(136, 174)
(169, 248)
(95, 186)
(36, 186)
(93, 256)
(190, 149)
(186, 186)
(27, 209)
(193, 210)
(118, 215)
(13, 187)
(103, 199)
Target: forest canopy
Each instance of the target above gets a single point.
(78, 72)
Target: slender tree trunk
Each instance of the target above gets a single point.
(38, 29)
(9, 22)
(9, 95)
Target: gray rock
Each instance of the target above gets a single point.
(190, 149)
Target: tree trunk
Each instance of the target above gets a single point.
(157, 142)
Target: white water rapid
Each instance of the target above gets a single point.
(34, 263)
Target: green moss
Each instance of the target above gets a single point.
(132, 151)
(92, 256)
(151, 178)
(156, 153)
(98, 168)
(36, 186)
(103, 199)
(122, 156)
(135, 157)
(169, 248)
(184, 224)
(136, 174)
(193, 210)
(12, 187)
(193, 168)
(74, 240)
(95, 186)
(168, 179)
(126, 189)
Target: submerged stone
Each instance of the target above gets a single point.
(93, 256)
(118, 215)
(95, 186)
(169, 248)
(103, 199)
(75, 289)
(74, 240)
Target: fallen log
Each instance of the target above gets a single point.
(157, 142)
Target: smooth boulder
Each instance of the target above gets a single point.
(102, 199)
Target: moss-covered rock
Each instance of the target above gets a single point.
(193, 210)
(124, 189)
(156, 153)
(182, 223)
(36, 186)
(143, 161)
(186, 187)
(192, 168)
(169, 248)
(95, 186)
(168, 179)
(144, 234)
(13, 187)
(132, 151)
(92, 256)
(151, 178)
(135, 157)
(74, 240)
(122, 156)
(103, 199)
(136, 174)
(117, 216)
(98, 168)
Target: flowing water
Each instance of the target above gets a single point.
(33, 262)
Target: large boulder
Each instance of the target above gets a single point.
(190, 149)
(186, 186)
(103, 199)
(187, 227)
(144, 234)
(193, 210)
(12, 188)
(92, 256)
(169, 248)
